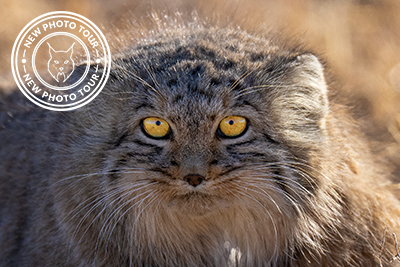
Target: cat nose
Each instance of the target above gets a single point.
(61, 69)
(194, 179)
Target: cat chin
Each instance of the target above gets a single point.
(198, 204)
(233, 230)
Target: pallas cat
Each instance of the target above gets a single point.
(207, 147)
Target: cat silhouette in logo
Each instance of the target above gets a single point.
(61, 65)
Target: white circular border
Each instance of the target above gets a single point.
(107, 63)
(84, 100)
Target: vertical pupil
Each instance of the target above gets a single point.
(158, 123)
(231, 122)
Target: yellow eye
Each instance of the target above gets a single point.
(155, 127)
(233, 126)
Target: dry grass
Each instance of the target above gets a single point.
(359, 39)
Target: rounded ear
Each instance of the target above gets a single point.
(300, 102)
(310, 74)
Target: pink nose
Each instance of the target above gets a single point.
(194, 179)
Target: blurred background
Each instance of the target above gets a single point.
(360, 40)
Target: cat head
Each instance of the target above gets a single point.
(198, 142)
(61, 64)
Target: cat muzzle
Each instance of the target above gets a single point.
(194, 179)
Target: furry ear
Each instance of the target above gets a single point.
(300, 101)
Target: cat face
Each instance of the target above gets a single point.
(193, 147)
(61, 65)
